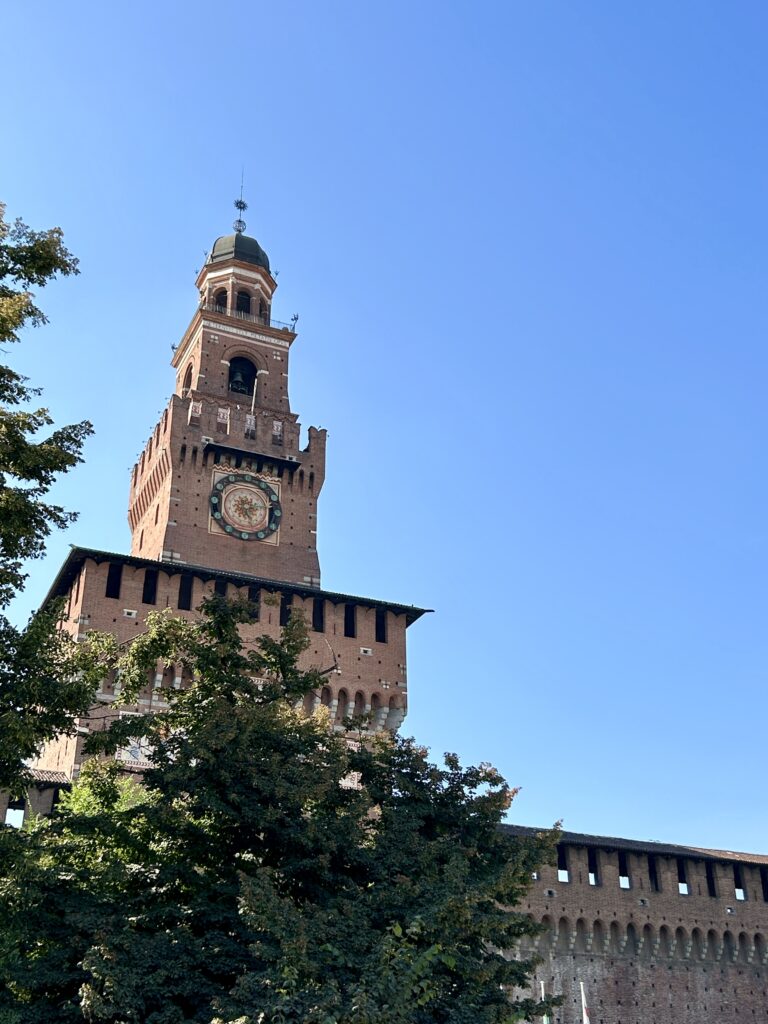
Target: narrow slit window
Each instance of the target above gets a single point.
(254, 596)
(350, 620)
(653, 874)
(149, 592)
(185, 592)
(764, 883)
(682, 881)
(381, 625)
(740, 890)
(593, 867)
(709, 869)
(318, 615)
(114, 579)
(624, 880)
(286, 601)
(563, 874)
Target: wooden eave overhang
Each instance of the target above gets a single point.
(78, 556)
(640, 846)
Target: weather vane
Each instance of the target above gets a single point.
(241, 206)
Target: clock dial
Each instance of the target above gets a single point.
(246, 507)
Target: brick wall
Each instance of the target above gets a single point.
(666, 952)
(368, 669)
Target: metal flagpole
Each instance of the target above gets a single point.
(584, 1007)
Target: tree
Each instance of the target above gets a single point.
(266, 870)
(29, 464)
(37, 698)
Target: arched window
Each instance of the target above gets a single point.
(243, 302)
(598, 937)
(325, 696)
(220, 300)
(242, 376)
(187, 385)
(563, 935)
(647, 949)
(263, 312)
(547, 934)
(359, 704)
(342, 708)
(632, 945)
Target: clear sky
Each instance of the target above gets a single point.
(527, 244)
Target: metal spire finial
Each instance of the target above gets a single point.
(241, 206)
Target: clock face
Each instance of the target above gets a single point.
(246, 507)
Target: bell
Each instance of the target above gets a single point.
(237, 383)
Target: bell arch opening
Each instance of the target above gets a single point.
(242, 376)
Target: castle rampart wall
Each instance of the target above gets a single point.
(660, 934)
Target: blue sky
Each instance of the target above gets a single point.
(527, 246)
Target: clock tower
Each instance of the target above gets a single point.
(223, 500)
(223, 481)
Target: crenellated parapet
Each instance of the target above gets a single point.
(661, 933)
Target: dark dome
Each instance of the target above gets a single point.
(239, 247)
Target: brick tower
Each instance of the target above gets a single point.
(222, 481)
(223, 500)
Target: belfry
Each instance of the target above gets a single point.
(224, 500)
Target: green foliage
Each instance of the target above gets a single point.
(29, 463)
(267, 871)
(45, 679)
(39, 694)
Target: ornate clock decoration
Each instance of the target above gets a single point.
(245, 506)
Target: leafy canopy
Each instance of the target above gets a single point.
(29, 463)
(39, 695)
(265, 870)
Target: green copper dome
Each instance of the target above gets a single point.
(239, 247)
